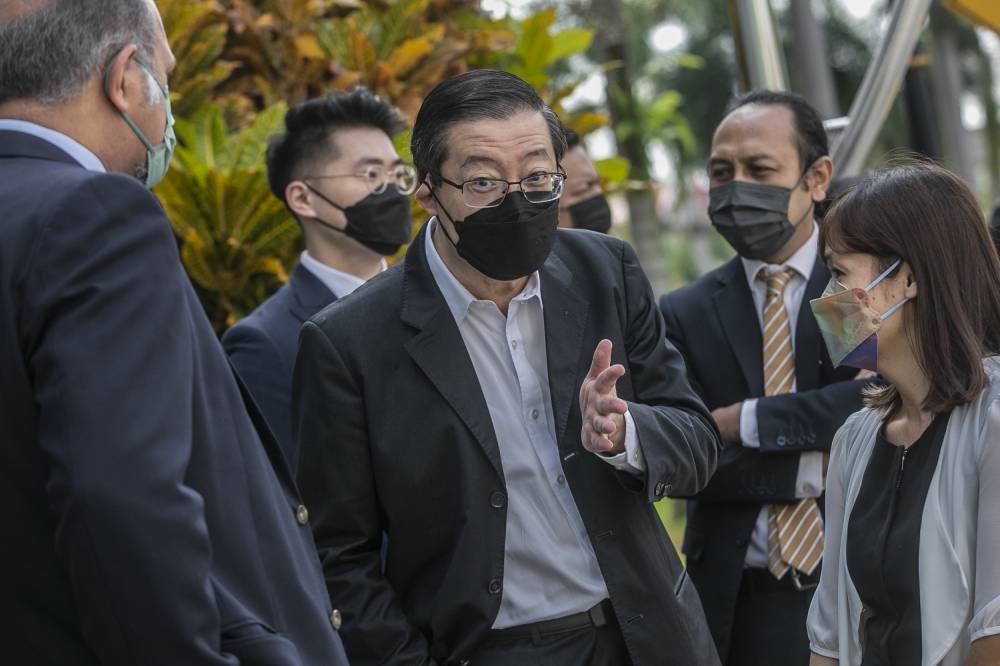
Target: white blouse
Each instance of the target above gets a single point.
(959, 563)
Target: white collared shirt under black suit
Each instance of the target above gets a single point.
(397, 434)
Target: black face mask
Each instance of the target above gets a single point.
(380, 222)
(753, 218)
(509, 241)
(593, 213)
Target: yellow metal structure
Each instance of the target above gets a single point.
(981, 12)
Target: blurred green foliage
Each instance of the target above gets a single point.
(242, 63)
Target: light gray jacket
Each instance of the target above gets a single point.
(959, 536)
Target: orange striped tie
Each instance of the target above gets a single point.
(794, 531)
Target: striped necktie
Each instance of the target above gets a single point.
(794, 531)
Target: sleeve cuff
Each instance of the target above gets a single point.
(631, 459)
(749, 436)
(809, 480)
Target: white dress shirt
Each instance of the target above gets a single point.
(337, 281)
(809, 482)
(71, 147)
(550, 569)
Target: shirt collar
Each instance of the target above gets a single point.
(801, 262)
(338, 282)
(458, 298)
(71, 147)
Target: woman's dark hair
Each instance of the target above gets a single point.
(473, 95)
(928, 217)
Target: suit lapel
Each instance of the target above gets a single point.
(271, 446)
(310, 294)
(565, 314)
(737, 315)
(439, 350)
(808, 353)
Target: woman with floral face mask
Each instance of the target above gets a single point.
(911, 565)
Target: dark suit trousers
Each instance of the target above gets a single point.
(588, 646)
(769, 628)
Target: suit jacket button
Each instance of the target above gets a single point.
(336, 619)
(495, 586)
(302, 514)
(781, 440)
(658, 490)
(498, 500)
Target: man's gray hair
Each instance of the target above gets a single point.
(49, 52)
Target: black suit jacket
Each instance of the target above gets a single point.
(713, 323)
(394, 435)
(144, 521)
(263, 346)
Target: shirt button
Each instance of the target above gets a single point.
(498, 500)
(561, 480)
(534, 414)
(808, 490)
(495, 586)
(514, 344)
(336, 619)
(302, 514)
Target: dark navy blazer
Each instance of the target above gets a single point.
(145, 520)
(713, 323)
(263, 346)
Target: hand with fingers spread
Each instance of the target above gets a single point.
(602, 410)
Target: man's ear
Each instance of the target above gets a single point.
(426, 199)
(124, 90)
(819, 177)
(298, 198)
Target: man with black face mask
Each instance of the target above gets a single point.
(754, 537)
(503, 407)
(336, 169)
(582, 204)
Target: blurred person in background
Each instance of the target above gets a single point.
(755, 356)
(338, 173)
(146, 522)
(911, 568)
(583, 204)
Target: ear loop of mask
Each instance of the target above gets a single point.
(329, 201)
(883, 275)
(812, 204)
(128, 119)
(450, 217)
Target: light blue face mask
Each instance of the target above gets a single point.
(157, 157)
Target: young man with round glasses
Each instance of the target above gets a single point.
(503, 406)
(336, 169)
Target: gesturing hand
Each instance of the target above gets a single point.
(602, 410)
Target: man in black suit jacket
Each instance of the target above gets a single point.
(769, 167)
(338, 173)
(448, 403)
(144, 523)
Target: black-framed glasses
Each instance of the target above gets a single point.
(539, 187)
(378, 177)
